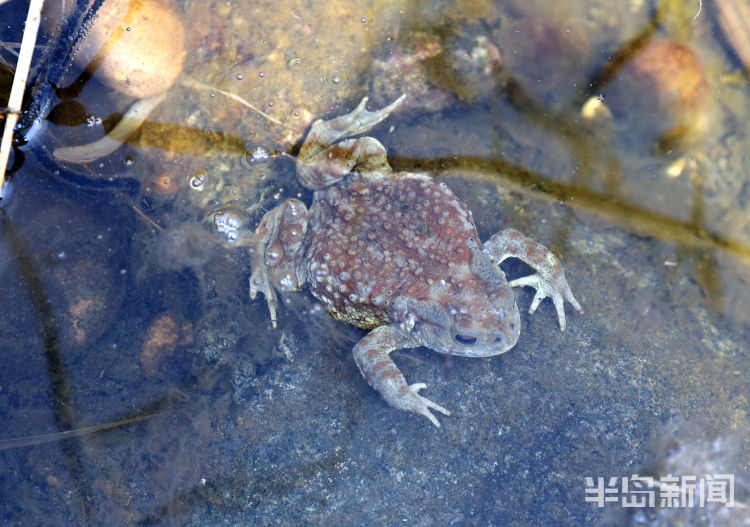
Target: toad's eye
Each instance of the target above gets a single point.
(464, 340)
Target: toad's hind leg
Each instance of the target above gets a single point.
(321, 162)
(277, 252)
(372, 357)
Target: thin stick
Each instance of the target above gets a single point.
(146, 218)
(33, 18)
(7, 444)
(192, 83)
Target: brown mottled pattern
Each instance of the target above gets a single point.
(368, 245)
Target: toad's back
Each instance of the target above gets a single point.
(369, 243)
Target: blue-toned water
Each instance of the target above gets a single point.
(142, 386)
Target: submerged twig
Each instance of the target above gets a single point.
(192, 83)
(10, 47)
(28, 41)
(59, 436)
(146, 218)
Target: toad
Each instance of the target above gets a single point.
(396, 253)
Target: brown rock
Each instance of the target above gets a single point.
(662, 93)
(168, 332)
(135, 46)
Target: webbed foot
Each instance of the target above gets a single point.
(413, 402)
(555, 287)
(356, 122)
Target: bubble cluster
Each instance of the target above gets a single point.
(228, 223)
(93, 120)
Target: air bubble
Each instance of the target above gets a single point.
(198, 180)
(239, 76)
(257, 155)
(55, 257)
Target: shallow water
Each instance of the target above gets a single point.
(141, 385)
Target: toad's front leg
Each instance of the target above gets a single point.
(372, 357)
(549, 279)
(277, 251)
